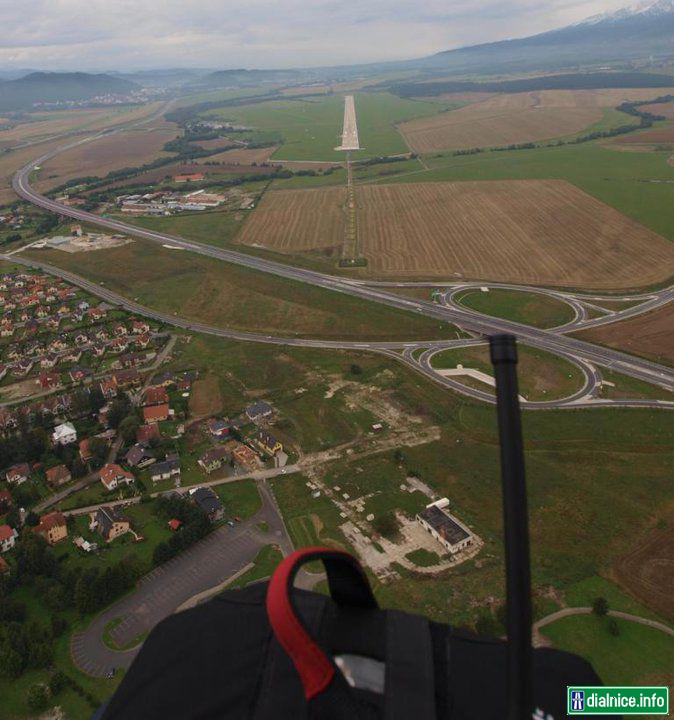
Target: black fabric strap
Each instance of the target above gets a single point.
(410, 675)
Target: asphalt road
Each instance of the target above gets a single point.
(544, 339)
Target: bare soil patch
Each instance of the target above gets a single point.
(647, 572)
(650, 335)
(505, 119)
(205, 398)
(545, 232)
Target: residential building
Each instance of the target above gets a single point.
(156, 395)
(85, 451)
(53, 527)
(156, 413)
(267, 443)
(59, 475)
(18, 474)
(243, 456)
(8, 536)
(139, 456)
(208, 502)
(213, 459)
(109, 523)
(165, 470)
(259, 410)
(174, 524)
(444, 527)
(218, 428)
(146, 433)
(64, 434)
(113, 475)
(108, 388)
(127, 378)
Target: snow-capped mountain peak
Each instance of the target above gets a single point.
(645, 8)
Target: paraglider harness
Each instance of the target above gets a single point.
(271, 652)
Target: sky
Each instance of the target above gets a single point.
(131, 35)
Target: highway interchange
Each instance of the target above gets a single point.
(188, 573)
(587, 356)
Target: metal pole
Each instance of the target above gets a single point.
(516, 531)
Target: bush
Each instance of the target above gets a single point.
(37, 698)
(57, 682)
(600, 606)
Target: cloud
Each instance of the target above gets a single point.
(102, 35)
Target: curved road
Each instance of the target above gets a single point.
(551, 341)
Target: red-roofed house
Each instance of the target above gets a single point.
(8, 536)
(58, 475)
(174, 524)
(53, 527)
(113, 475)
(145, 433)
(156, 413)
(85, 452)
(189, 177)
(156, 396)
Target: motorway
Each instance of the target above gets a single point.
(584, 353)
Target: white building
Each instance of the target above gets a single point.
(444, 527)
(64, 434)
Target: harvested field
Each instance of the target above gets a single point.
(650, 335)
(647, 572)
(545, 232)
(664, 109)
(297, 220)
(654, 136)
(505, 119)
(242, 156)
(10, 162)
(127, 149)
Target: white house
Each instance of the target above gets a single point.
(64, 434)
(8, 536)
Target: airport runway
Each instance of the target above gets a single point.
(350, 126)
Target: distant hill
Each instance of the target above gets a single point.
(567, 81)
(40, 87)
(241, 77)
(639, 31)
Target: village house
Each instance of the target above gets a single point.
(85, 451)
(59, 475)
(166, 379)
(109, 523)
(208, 502)
(108, 387)
(267, 443)
(49, 361)
(139, 327)
(98, 349)
(52, 527)
(259, 411)
(18, 474)
(119, 329)
(156, 413)
(213, 459)
(174, 524)
(165, 470)
(7, 330)
(8, 536)
(49, 380)
(112, 476)
(23, 367)
(72, 355)
(218, 428)
(139, 456)
(95, 314)
(156, 395)
(80, 374)
(142, 341)
(64, 434)
(243, 456)
(126, 379)
(118, 345)
(146, 433)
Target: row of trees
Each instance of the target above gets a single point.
(195, 525)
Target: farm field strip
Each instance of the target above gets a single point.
(541, 232)
(506, 119)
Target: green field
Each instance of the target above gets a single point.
(541, 375)
(241, 499)
(629, 387)
(534, 309)
(310, 128)
(638, 655)
(225, 295)
(263, 566)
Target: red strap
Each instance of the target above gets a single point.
(314, 667)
